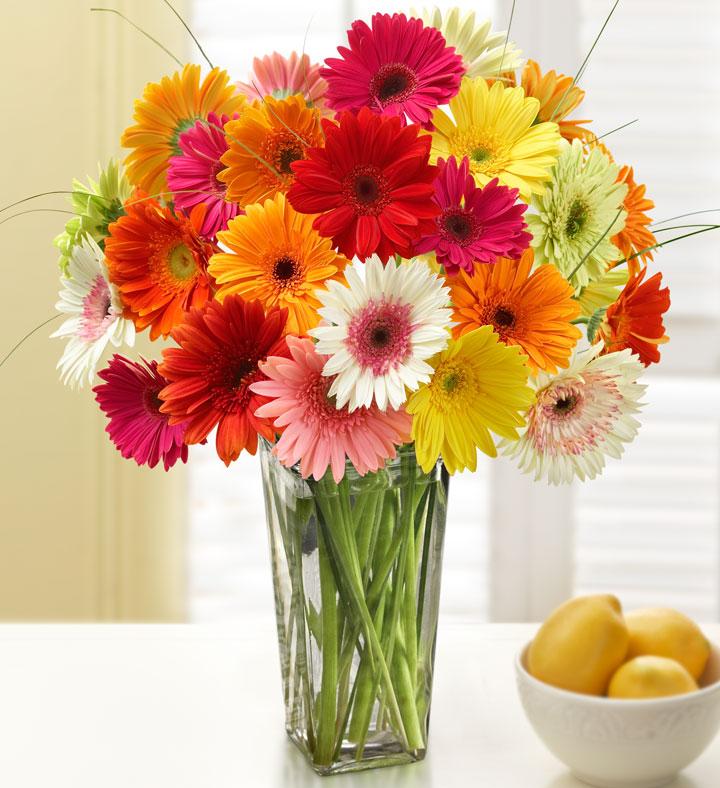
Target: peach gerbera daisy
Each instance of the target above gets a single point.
(279, 259)
(158, 261)
(533, 311)
(556, 101)
(165, 111)
(264, 142)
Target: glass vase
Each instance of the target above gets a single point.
(356, 573)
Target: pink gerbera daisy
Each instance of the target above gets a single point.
(280, 77)
(129, 398)
(476, 224)
(398, 67)
(193, 179)
(315, 432)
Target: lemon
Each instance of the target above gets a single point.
(650, 676)
(580, 645)
(668, 633)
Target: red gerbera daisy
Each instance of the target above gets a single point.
(158, 261)
(398, 67)
(371, 183)
(211, 372)
(129, 398)
(476, 224)
(635, 320)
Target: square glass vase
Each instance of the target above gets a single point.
(356, 574)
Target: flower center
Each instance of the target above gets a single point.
(577, 216)
(503, 317)
(565, 404)
(450, 382)
(450, 386)
(219, 187)
(97, 313)
(459, 227)
(287, 154)
(152, 403)
(480, 155)
(241, 371)
(280, 149)
(379, 335)
(487, 153)
(284, 269)
(393, 83)
(181, 263)
(229, 373)
(508, 319)
(322, 412)
(366, 189)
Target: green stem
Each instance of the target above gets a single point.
(328, 689)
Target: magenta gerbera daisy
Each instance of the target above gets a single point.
(476, 224)
(192, 177)
(129, 398)
(315, 432)
(397, 67)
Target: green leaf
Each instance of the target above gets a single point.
(594, 323)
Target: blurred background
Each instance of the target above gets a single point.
(85, 535)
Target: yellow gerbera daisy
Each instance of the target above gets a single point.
(279, 259)
(276, 133)
(165, 111)
(479, 384)
(493, 127)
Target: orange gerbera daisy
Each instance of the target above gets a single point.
(552, 92)
(165, 111)
(635, 320)
(278, 259)
(635, 236)
(159, 263)
(264, 142)
(533, 311)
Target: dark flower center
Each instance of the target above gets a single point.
(152, 403)
(564, 404)
(577, 216)
(393, 83)
(380, 335)
(287, 154)
(503, 317)
(241, 371)
(366, 189)
(459, 226)
(284, 269)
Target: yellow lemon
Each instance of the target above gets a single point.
(650, 676)
(668, 633)
(580, 645)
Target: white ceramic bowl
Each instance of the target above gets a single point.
(615, 743)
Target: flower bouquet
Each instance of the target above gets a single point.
(370, 269)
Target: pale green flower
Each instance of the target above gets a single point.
(602, 292)
(579, 213)
(482, 52)
(96, 207)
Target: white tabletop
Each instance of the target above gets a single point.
(126, 706)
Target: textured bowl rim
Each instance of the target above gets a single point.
(617, 703)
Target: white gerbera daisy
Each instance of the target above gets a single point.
(383, 330)
(581, 415)
(95, 310)
(578, 215)
(484, 53)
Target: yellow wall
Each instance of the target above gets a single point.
(84, 534)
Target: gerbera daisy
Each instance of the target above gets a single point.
(483, 53)
(578, 214)
(263, 143)
(476, 225)
(371, 183)
(479, 385)
(129, 398)
(96, 206)
(532, 310)
(211, 372)
(398, 67)
(276, 257)
(315, 432)
(159, 263)
(495, 128)
(165, 111)
(635, 320)
(580, 416)
(95, 314)
(280, 77)
(557, 99)
(381, 332)
(193, 176)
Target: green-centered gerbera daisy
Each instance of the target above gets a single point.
(579, 213)
(96, 206)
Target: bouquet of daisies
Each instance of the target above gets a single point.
(400, 245)
(373, 268)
